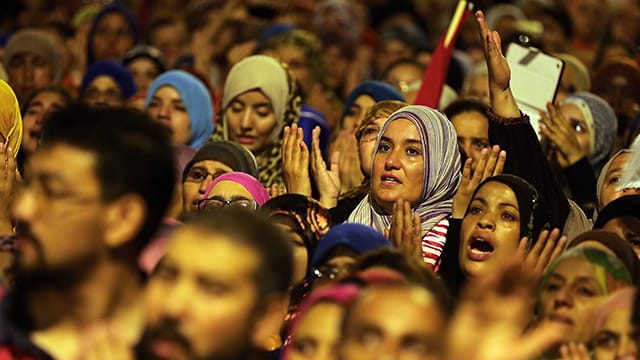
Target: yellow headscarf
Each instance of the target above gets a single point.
(10, 119)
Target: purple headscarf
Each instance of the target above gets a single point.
(253, 186)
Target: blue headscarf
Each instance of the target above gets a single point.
(119, 73)
(196, 99)
(122, 10)
(357, 237)
(378, 90)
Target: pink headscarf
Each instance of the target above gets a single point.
(253, 186)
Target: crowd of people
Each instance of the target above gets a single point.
(253, 179)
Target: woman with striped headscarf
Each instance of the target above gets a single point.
(416, 160)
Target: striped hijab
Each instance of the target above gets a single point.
(441, 175)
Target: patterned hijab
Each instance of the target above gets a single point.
(313, 221)
(611, 273)
(441, 173)
(602, 123)
(10, 119)
(276, 82)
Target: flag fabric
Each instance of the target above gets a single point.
(436, 75)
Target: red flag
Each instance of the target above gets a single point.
(435, 76)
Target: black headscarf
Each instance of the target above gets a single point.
(227, 152)
(534, 214)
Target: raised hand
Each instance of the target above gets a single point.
(327, 179)
(295, 161)
(574, 351)
(491, 163)
(548, 247)
(558, 131)
(406, 229)
(502, 101)
(490, 319)
(350, 172)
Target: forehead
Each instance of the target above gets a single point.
(79, 164)
(497, 192)
(471, 123)
(365, 101)
(212, 165)
(572, 111)
(167, 91)
(575, 266)
(252, 96)
(402, 128)
(48, 97)
(199, 251)
(113, 19)
(398, 309)
(103, 82)
(228, 189)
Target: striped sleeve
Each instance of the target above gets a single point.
(433, 242)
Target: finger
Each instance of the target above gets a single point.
(550, 245)
(533, 343)
(539, 245)
(408, 217)
(502, 159)
(559, 248)
(491, 161)
(303, 150)
(466, 171)
(284, 148)
(484, 29)
(417, 231)
(334, 163)
(482, 163)
(523, 248)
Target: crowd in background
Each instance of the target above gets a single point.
(264, 179)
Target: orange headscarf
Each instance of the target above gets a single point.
(10, 119)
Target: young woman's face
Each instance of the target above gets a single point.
(300, 253)
(112, 37)
(572, 296)
(472, 130)
(356, 112)
(576, 119)
(490, 230)
(367, 144)
(167, 107)
(398, 167)
(251, 120)
(609, 191)
(318, 333)
(144, 71)
(617, 337)
(40, 105)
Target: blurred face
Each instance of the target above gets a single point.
(300, 253)
(336, 267)
(59, 214)
(398, 167)
(295, 59)
(609, 191)
(103, 91)
(490, 230)
(167, 106)
(357, 111)
(198, 179)
(407, 79)
(572, 296)
(472, 129)
(617, 337)
(28, 72)
(576, 119)
(251, 120)
(628, 228)
(391, 51)
(585, 15)
(144, 71)
(393, 323)
(201, 299)
(318, 333)
(230, 193)
(34, 114)
(367, 144)
(112, 37)
(479, 88)
(171, 40)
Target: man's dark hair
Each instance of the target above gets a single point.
(248, 228)
(404, 61)
(133, 155)
(465, 105)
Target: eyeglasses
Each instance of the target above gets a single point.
(198, 175)
(331, 272)
(110, 95)
(242, 203)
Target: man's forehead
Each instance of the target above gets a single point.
(62, 159)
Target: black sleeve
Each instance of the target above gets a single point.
(449, 269)
(582, 183)
(526, 159)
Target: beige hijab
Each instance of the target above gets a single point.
(10, 119)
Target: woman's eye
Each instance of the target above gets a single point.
(552, 287)
(475, 210)
(413, 152)
(481, 145)
(181, 108)
(32, 112)
(613, 180)
(584, 291)
(579, 128)
(236, 107)
(384, 148)
(370, 131)
(153, 104)
(508, 216)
